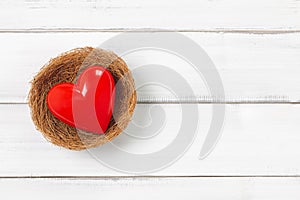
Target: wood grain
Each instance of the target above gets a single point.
(227, 15)
(253, 68)
(257, 140)
(144, 188)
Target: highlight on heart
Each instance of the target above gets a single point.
(82, 98)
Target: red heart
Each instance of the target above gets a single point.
(86, 105)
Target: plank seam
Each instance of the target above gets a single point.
(79, 30)
(190, 102)
(148, 177)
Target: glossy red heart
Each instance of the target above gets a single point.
(86, 105)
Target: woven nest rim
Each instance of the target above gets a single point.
(66, 68)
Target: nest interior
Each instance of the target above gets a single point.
(66, 68)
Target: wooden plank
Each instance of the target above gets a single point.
(153, 188)
(206, 15)
(252, 67)
(257, 140)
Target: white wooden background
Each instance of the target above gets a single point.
(255, 46)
